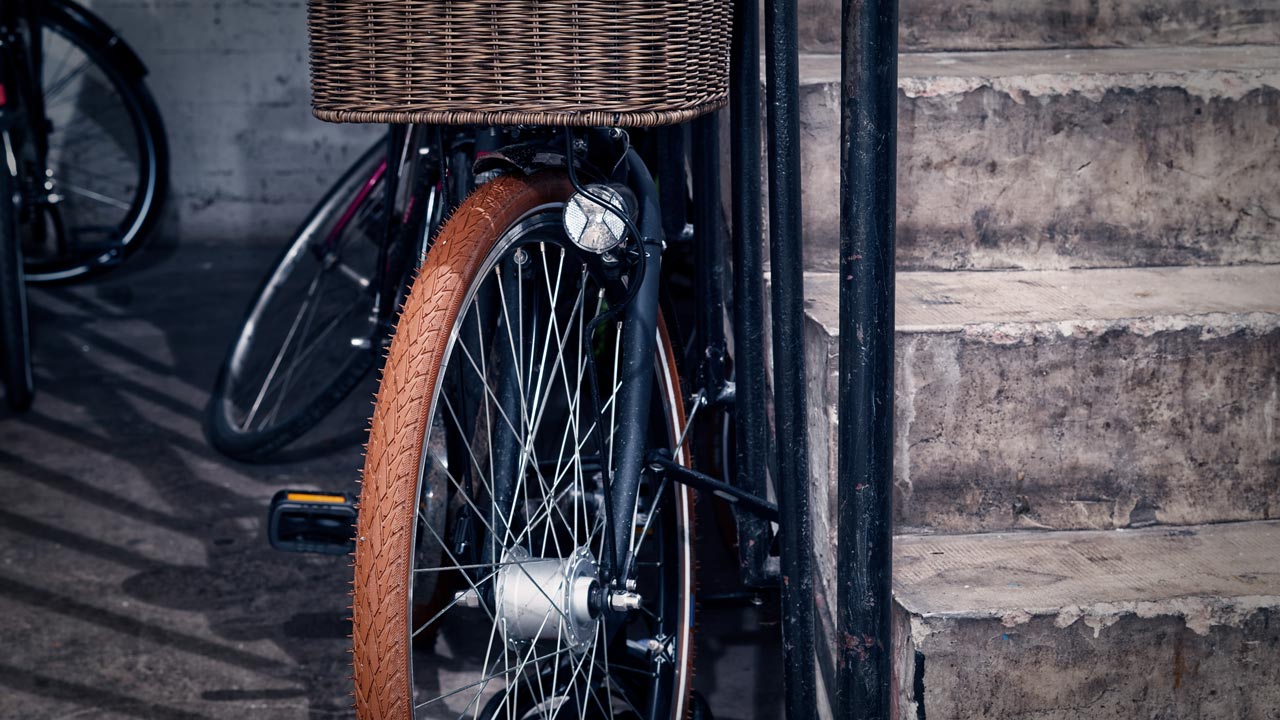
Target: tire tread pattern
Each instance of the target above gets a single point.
(380, 608)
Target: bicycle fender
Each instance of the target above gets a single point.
(525, 158)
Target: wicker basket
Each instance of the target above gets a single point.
(628, 63)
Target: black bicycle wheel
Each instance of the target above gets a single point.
(104, 179)
(312, 331)
(15, 337)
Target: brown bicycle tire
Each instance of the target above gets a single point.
(381, 615)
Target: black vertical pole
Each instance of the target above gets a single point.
(782, 84)
(750, 422)
(709, 250)
(868, 152)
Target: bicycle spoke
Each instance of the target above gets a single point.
(96, 196)
(451, 605)
(471, 504)
(527, 406)
(303, 358)
(608, 704)
(76, 171)
(486, 679)
(654, 508)
(488, 392)
(350, 273)
(47, 39)
(61, 83)
(518, 671)
(473, 566)
(613, 414)
(283, 390)
(284, 348)
(488, 651)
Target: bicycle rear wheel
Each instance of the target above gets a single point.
(483, 519)
(15, 336)
(312, 331)
(104, 179)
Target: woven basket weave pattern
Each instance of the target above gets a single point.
(506, 62)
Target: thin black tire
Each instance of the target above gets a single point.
(351, 217)
(116, 65)
(15, 336)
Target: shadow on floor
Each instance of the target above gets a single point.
(134, 573)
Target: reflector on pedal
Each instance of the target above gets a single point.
(310, 522)
(314, 497)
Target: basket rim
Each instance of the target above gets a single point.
(565, 118)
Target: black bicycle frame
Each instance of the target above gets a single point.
(414, 162)
(639, 337)
(638, 344)
(397, 177)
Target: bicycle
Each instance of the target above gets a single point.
(524, 536)
(85, 161)
(520, 357)
(324, 311)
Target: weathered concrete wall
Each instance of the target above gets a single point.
(231, 80)
(1068, 400)
(1155, 623)
(1021, 24)
(1151, 667)
(1114, 425)
(1051, 159)
(249, 160)
(1087, 399)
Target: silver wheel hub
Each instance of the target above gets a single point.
(547, 599)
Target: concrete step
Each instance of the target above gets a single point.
(1057, 159)
(1008, 24)
(1077, 399)
(1154, 623)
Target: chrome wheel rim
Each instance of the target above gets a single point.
(315, 314)
(547, 656)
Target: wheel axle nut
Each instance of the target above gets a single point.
(623, 601)
(467, 598)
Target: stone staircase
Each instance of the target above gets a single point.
(1087, 467)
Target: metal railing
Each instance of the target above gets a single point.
(868, 156)
(865, 403)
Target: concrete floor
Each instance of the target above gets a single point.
(135, 578)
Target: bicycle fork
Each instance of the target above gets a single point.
(630, 416)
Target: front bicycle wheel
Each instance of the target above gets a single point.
(15, 337)
(483, 518)
(102, 185)
(312, 331)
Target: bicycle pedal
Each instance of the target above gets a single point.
(307, 521)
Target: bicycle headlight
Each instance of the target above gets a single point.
(594, 219)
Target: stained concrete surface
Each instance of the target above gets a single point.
(1056, 159)
(1207, 575)
(1153, 623)
(135, 578)
(931, 25)
(1079, 399)
(1141, 667)
(230, 78)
